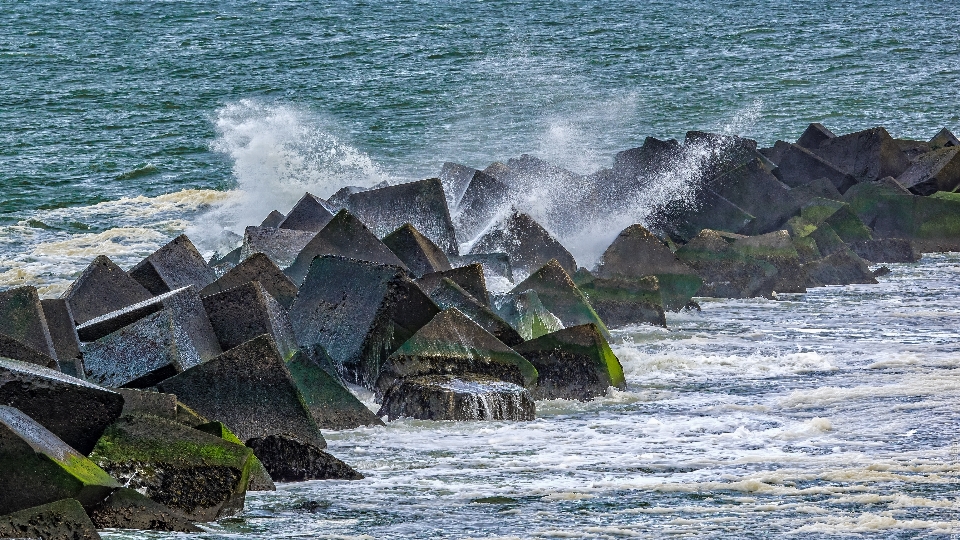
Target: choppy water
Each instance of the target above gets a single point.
(832, 412)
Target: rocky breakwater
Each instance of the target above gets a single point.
(155, 398)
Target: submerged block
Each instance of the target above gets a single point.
(247, 311)
(64, 519)
(256, 267)
(290, 460)
(525, 313)
(458, 397)
(281, 245)
(558, 294)
(573, 363)
(359, 312)
(526, 242)
(470, 277)
(74, 410)
(309, 214)
(421, 204)
(447, 294)
(451, 343)
(63, 332)
(416, 251)
(22, 318)
(177, 264)
(195, 473)
(101, 288)
(842, 267)
(39, 468)
(330, 403)
(345, 236)
(128, 509)
(887, 250)
(250, 389)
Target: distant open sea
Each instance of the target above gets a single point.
(123, 124)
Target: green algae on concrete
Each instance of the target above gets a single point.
(259, 477)
(558, 294)
(60, 520)
(330, 403)
(525, 313)
(573, 363)
(39, 468)
(452, 344)
(196, 473)
(447, 294)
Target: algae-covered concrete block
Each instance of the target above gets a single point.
(309, 214)
(259, 477)
(39, 468)
(63, 331)
(128, 509)
(573, 363)
(932, 223)
(250, 389)
(470, 277)
(155, 347)
(451, 343)
(867, 155)
(280, 245)
(345, 236)
(60, 520)
(558, 294)
(101, 288)
(74, 410)
(330, 403)
(636, 253)
(359, 312)
(416, 251)
(421, 204)
(621, 301)
(195, 473)
(288, 459)
(526, 242)
(247, 311)
(458, 397)
(177, 264)
(22, 318)
(256, 267)
(525, 313)
(447, 294)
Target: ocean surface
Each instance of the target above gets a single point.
(829, 413)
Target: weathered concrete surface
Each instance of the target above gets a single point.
(799, 166)
(273, 219)
(359, 312)
(573, 363)
(137, 401)
(39, 468)
(345, 236)
(250, 389)
(256, 267)
(620, 301)
(934, 171)
(128, 509)
(561, 296)
(17, 350)
(814, 135)
(177, 264)
(74, 410)
(447, 294)
(101, 288)
(525, 313)
(455, 179)
(416, 251)
(462, 397)
(526, 242)
(22, 318)
(496, 264)
(247, 311)
(309, 214)
(867, 155)
(887, 250)
(469, 277)
(281, 245)
(259, 477)
(484, 198)
(330, 403)
(421, 204)
(63, 332)
(288, 459)
(451, 343)
(60, 520)
(200, 475)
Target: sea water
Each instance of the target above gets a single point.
(827, 413)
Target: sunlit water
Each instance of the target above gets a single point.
(831, 413)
